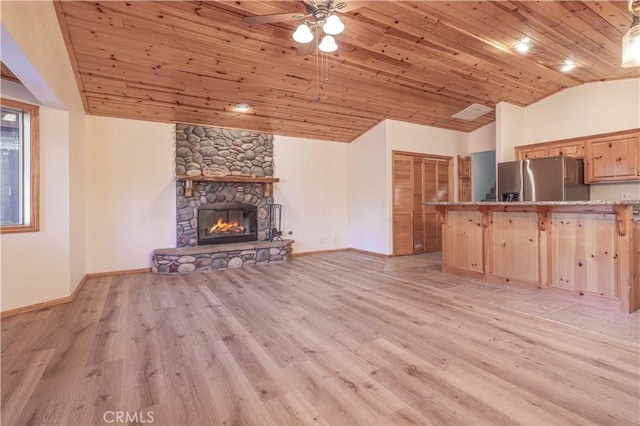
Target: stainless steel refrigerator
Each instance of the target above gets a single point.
(542, 179)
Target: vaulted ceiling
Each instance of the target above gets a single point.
(414, 61)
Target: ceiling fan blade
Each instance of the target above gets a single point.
(351, 6)
(278, 17)
(306, 49)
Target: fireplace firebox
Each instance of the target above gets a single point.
(222, 223)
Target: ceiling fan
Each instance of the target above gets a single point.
(319, 15)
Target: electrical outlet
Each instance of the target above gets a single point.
(624, 195)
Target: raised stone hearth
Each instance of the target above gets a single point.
(213, 257)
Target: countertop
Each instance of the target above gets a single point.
(535, 203)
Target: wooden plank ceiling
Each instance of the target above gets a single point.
(418, 62)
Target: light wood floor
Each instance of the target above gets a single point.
(341, 338)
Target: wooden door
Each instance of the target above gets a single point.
(403, 174)
(418, 218)
(436, 186)
(416, 178)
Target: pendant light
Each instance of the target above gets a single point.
(333, 25)
(303, 34)
(328, 44)
(631, 40)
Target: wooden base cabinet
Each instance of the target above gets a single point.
(589, 251)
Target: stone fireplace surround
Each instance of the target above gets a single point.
(207, 152)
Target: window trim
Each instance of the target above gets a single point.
(34, 168)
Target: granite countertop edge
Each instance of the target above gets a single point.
(534, 203)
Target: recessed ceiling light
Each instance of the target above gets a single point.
(567, 66)
(523, 45)
(242, 107)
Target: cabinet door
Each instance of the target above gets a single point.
(613, 159)
(402, 204)
(534, 152)
(575, 150)
(464, 189)
(464, 167)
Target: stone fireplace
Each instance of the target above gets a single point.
(215, 152)
(223, 197)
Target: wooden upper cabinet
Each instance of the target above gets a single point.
(613, 158)
(571, 149)
(537, 151)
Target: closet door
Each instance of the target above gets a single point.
(432, 241)
(436, 186)
(403, 172)
(418, 217)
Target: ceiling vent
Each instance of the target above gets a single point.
(472, 112)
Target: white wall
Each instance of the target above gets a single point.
(313, 192)
(483, 139)
(35, 265)
(131, 205)
(369, 188)
(509, 130)
(410, 137)
(585, 110)
(49, 264)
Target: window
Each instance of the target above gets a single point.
(19, 171)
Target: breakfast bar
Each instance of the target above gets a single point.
(581, 249)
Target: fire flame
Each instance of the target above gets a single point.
(221, 227)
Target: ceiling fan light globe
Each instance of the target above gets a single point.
(303, 34)
(333, 25)
(631, 47)
(328, 44)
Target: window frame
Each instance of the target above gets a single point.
(34, 167)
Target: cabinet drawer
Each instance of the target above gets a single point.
(573, 150)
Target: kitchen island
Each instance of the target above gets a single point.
(580, 249)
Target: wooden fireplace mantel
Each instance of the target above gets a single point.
(267, 181)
